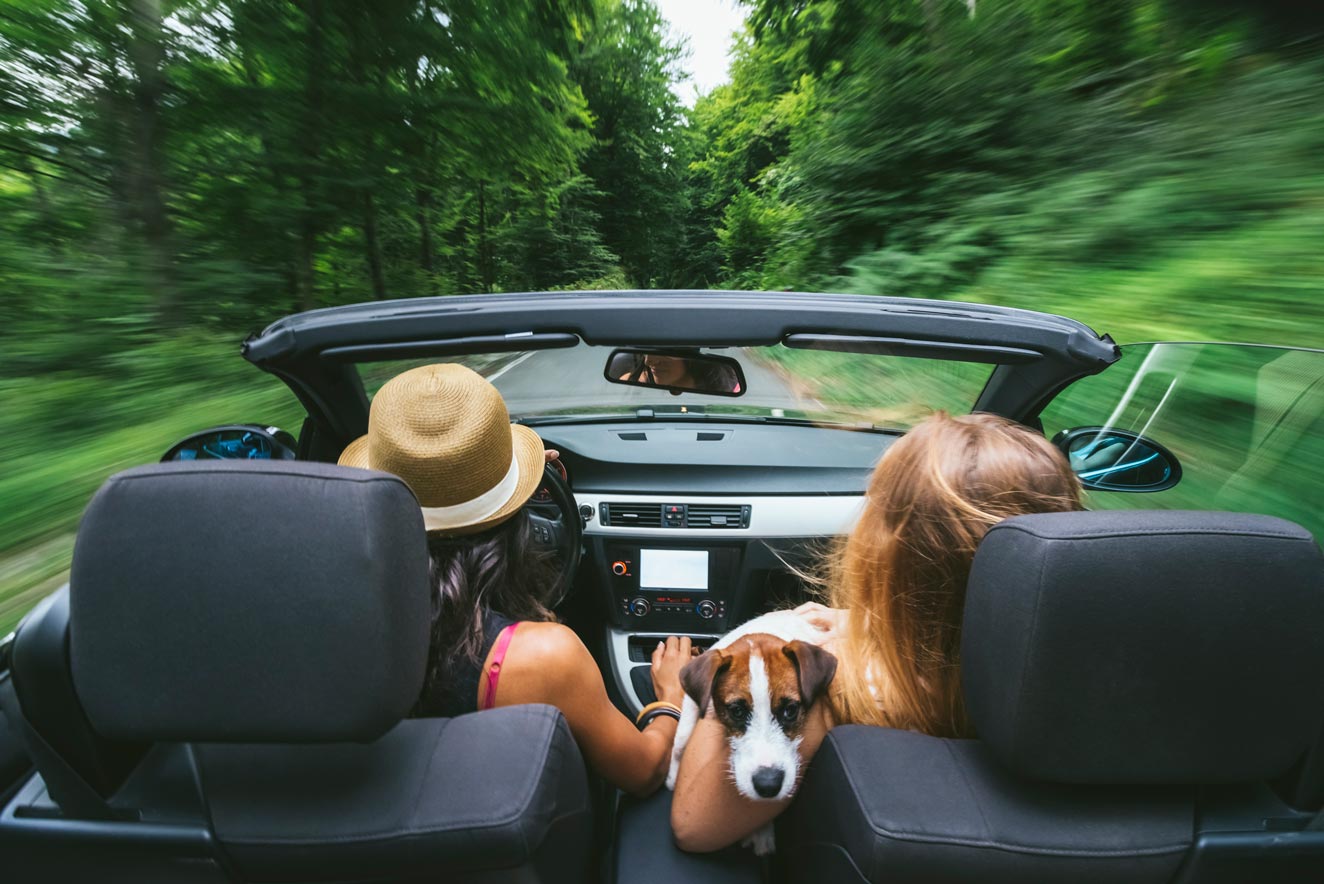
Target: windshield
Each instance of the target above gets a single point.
(812, 385)
(1245, 422)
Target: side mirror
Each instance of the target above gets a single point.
(1107, 459)
(235, 442)
(676, 371)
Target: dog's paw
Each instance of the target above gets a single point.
(764, 841)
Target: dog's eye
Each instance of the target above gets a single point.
(788, 711)
(738, 712)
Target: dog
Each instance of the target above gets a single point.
(761, 679)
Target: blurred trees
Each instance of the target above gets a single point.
(997, 150)
(176, 162)
(174, 173)
(168, 163)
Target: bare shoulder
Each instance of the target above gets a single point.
(546, 663)
(550, 643)
(547, 653)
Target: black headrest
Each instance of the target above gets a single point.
(1145, 647)
(249, 601)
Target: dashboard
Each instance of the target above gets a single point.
(692, 528)
(704, 457)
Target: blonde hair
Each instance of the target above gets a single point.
(901, 572)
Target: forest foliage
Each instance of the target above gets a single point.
(176, 173)
(170, 164)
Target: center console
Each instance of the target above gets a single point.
(679, 588)
(696, 567)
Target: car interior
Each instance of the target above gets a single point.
(222, 690)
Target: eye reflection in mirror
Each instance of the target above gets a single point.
(1107, 459)
(676, 371)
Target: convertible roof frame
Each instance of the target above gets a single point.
(1036, 354)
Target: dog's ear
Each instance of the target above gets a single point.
(698, 675)
(814, 666)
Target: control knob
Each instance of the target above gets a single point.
(640, 607)
(706, 609)
(618, 568)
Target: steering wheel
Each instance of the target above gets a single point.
(565, 533)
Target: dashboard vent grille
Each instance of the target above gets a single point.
(637, 515)
(719, 515)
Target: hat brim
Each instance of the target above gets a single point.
(528, 452)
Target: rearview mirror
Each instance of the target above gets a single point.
(1106, 459)
(676, 371)
(235, 442)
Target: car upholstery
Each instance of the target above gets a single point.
(1134, 678)
(264, 628)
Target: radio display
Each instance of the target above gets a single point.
(673, 569)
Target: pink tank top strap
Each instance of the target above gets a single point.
(494, 669)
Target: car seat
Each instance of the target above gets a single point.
(219, 693)
(1136, 679)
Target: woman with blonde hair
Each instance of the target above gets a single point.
(896, 588)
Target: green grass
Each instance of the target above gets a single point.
(67, 431)
(886, 391)
(1260, 283)
(70, 432)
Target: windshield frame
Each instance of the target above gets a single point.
(314, 352)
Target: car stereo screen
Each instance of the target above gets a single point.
(673, 569)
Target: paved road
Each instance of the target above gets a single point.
(572, 378)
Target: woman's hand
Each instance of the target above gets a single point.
(553, 459)
(668, 658)
(829, 621)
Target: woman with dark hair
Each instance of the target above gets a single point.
(445, 431)
(897, 589)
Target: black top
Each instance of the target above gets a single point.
(458, 695)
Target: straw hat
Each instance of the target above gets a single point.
(445, 430)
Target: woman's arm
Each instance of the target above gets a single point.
(547, 663)
(707, 813)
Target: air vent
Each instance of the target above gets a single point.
(632, 437)
(632, 515)
(716, 515)
(710, 436)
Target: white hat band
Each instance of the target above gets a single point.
(437, 518)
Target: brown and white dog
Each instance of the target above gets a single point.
(761, 679)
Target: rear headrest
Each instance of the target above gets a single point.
(249, 601)
(1145, 647)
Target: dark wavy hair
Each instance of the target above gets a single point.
(501, 569)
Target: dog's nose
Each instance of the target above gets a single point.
(768, 781)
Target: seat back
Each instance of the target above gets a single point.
(1135, 679)
(81, 768)
(1146, 647)
(264, 627)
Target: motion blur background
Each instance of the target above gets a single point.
(176, 173)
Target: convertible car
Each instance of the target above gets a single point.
(221, 691)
